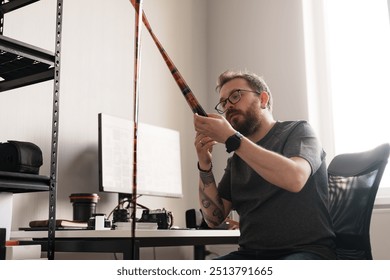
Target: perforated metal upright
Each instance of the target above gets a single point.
(54, 143)
(22, 65)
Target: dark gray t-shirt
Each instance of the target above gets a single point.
(271, 218)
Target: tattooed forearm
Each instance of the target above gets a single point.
(211, 220)
(207, 178)
(206, 203)
(218, 214)
(211, 203)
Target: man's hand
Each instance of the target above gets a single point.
(214, 126)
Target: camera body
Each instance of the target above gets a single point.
(162, 217)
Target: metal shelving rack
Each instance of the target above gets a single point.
(21, 65)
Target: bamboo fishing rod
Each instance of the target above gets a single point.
(185, 89)
(137, 66)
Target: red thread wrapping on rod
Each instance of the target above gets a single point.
(185, 89)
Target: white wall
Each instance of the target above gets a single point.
(203, 38)
(265, 37)
(97, 76)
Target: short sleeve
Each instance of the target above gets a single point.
(224, 186)
(302, 142)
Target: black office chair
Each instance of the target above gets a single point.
(353, 183)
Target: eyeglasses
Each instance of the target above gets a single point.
(233, 98)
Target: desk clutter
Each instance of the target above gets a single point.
(163, 218)
(84, 215)
(60, 224)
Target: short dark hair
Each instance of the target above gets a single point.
(256, 82)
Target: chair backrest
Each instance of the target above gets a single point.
(353, 183)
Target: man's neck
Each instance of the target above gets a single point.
(266, 125)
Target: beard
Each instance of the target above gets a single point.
(251, 120)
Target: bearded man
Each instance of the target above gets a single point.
(276, 178)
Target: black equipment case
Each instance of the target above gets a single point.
(23, 157)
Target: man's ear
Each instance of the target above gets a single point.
(264, 98)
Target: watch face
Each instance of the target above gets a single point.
(233, 142)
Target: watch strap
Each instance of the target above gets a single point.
(233, 142)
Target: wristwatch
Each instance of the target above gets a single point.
(233, 142)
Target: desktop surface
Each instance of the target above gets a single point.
(143, 233)
(122, 241)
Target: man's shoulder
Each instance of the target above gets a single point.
(283, 130)
(288, 129)
(290, 125)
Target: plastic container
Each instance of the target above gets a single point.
(84, 205)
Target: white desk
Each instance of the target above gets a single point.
(120, 241)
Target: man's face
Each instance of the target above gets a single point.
(245, 115)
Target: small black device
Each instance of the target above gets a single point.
(121, 215)
(194, 219)
(162, 217)
(233, 142)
